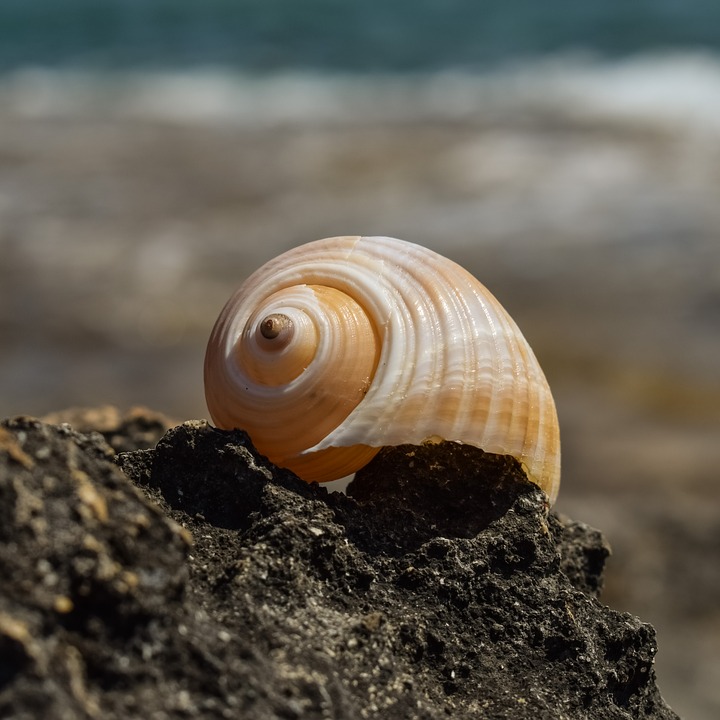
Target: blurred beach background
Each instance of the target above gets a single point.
(153, 153)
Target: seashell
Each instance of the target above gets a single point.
(345, 345)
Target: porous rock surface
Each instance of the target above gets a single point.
(197, 580)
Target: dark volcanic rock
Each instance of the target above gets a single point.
(93, 576)
(293, 602)
(136, 429)
(456, 490)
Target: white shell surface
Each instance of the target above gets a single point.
(452, 363)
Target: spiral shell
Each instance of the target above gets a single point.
(345, 345)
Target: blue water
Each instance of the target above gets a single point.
(365, 36)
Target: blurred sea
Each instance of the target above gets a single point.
(328, 36)
(155, 152)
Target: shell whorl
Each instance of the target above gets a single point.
(376, 342)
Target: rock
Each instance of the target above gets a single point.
(138, 428)
(292, 602)
(93, 575)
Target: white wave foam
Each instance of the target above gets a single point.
(673, 90)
